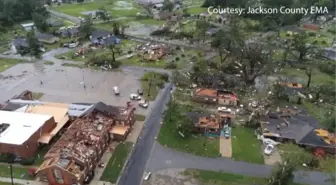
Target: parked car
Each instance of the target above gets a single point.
(129, 56)
(227, 133)
(140, 92)
(269, 149)
(143, 103)
(116, 90)
(147, 176)
(135, 97)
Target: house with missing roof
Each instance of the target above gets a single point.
(46, 38)
(74, 157)
(214, 96)
(209, 124)
(292, 91)
(296, 126)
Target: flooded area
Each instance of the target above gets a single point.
(70, 84)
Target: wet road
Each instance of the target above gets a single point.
(143, 147)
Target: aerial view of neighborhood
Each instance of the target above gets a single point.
(167, 92)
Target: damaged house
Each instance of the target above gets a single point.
(213, 96)
(209, 124)
(74, 157)
(292, 92)
(295, 126)
(104, 38)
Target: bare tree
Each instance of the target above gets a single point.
(252, 60)
(309, 75)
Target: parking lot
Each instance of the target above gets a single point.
(71, 84)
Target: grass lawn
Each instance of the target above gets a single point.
(48, 63)
(291, 150)
(197, 10)
(245, 146)
(112, 8)
(221, 178)
(17, 172)
(116, 162)
(37, 95)
(7, 63)
(135, 61)
(139, 117)
(197, 145)
(73, 65)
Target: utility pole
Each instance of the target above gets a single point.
(11, 173)
(149, 86)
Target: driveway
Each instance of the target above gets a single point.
(225, 147)
(165, 158)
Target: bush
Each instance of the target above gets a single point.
(177, 58)
(160, 84)
(27, 161)
(178, 47)
(182, 55)
(165, 77)
(324, 42)
(7, 158)
(171, 65)
(287, 35)
(332, 30)
(315, 42)
(312, 34)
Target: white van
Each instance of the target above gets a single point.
(116, 90)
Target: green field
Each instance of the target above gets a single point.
(113, 8)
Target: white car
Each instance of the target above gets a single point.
(225, 110)
(135, 97)
(143, 103)
(269, 149)
(116, 90)
(147, 176)
(129, 56)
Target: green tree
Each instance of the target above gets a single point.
(185, 126)
(219, 43)
(148, 10)
(201, 28)
(33, 43)
(299, 44)
(282, 174)
(102, 14)
(116, 28)
(86, 27)
(40, 22)
(168, 5)
(114, 50)
(330, 123)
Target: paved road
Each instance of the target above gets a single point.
(163, 158)
(135, 166)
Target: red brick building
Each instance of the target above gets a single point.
(75, 156)
(20, 132)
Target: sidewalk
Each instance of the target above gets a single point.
(21, 181)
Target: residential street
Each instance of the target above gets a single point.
(142, 150)
(163, 158)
